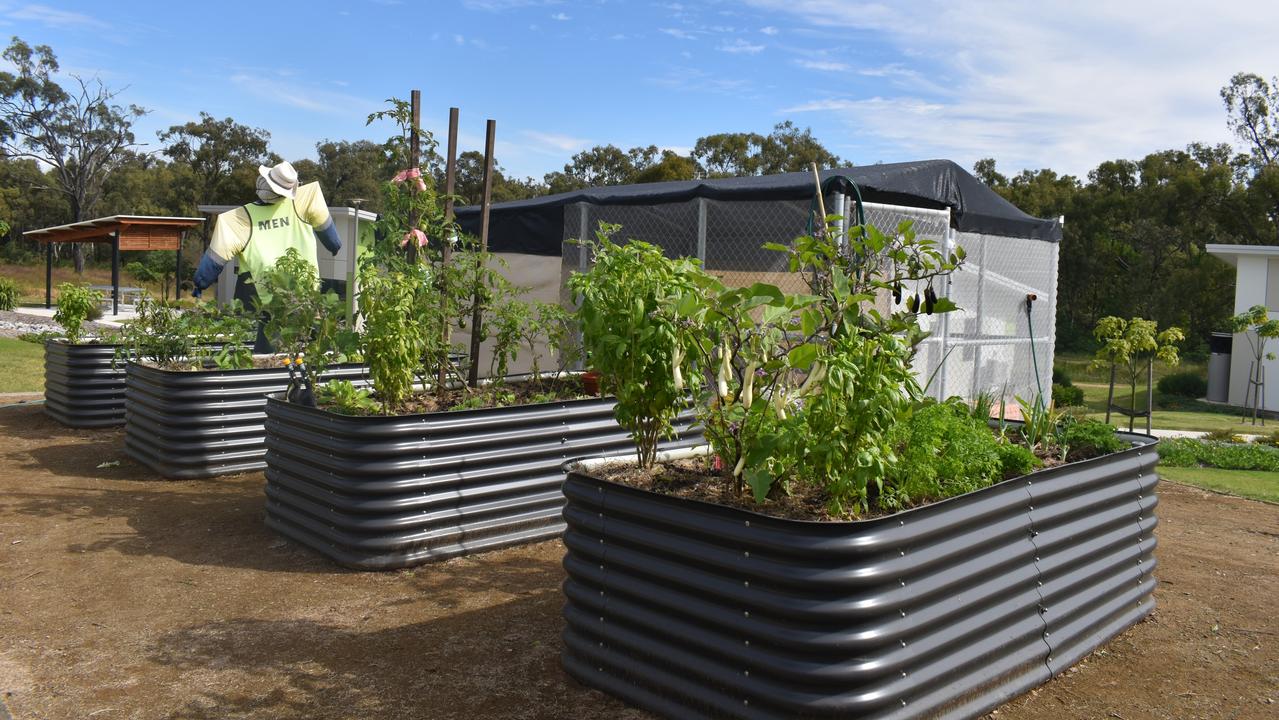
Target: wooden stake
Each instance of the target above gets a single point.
(446, 243)
(821, 201)
(415, 156)
(477, 318)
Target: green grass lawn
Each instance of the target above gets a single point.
(21, 366)
(30, 280)
(1095, 400)
(1253, 484)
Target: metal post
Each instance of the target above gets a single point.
(1150, 393)
(1110, 395)
(583, 217)
(415, 100)
(352, 257)
(976, 332)
(48, 275)
(177, 266)
(948, 244)
(446, 243)
(477, 318)
(701, 230)
(115, 273)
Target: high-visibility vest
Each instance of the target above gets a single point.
(273, 230)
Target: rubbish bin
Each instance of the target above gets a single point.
(1219, 346)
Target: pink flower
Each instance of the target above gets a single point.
(421, 185)
(412, 234)
(409, 174)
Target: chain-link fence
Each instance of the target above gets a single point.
(986, 346)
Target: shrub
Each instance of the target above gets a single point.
(1061, 377)
(1016, 460)
(1067, 395)
(1189, 452)
(1223, 436)
(942, 451)
(8, 294)
(1089, 438)
(1183, 384)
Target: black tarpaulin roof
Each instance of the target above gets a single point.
(536, 225)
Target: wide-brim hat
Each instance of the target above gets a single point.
(282, 178)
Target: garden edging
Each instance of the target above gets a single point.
(82, 386)
(380, 492)
(690, 609)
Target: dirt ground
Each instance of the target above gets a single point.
(122, 596)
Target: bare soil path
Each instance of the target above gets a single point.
(123, 596)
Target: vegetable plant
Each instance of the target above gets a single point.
(76, 304)
(943, 451)
(174, 338)
(629, 336)
(343, 397)
(302, 320)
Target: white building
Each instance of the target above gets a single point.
(1256, 283)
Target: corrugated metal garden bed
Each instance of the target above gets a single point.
(187, 425)
(384, 492)
(82, 386)
(694, 610)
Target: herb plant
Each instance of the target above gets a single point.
(629, 336)
(344, 398)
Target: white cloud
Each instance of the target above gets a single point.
(677, 33)
(1061, 85)
(823, 65)
(302, 96)
(769, 30)
(553, 143)
(54, 17)
(740, 46)
(561, 16)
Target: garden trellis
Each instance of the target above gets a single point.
(992, 344)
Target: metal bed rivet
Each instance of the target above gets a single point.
(903, 582)
(747, 613)
(901, 553)
(903, 612)
(903, 673)
(903, 642)
(747, 553)
(601, 618)
(601, 567)
(748, 643)
(748, 523)
(747, 673)
(601, 541)
(746, 583)
(903, 702)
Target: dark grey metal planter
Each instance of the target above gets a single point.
(82, 389)
(694, 610)
(187, 425)
(389, 492)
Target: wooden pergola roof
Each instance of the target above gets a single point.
(136, 232)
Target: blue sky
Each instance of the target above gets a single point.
(1061, 85)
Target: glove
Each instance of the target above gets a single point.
(195, 292)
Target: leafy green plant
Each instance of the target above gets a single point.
(1089, 438)
(302, 320)
(393, 342)
(76, 303)
(1183, 384)
(1039, 422)
(1188, 452)
(629, 337)
(1223, 435)
(1016, 460)
(344, 398)
(173, 337)
(8, 294)
(943, 451)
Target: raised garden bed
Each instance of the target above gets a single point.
(693, 610)
(82, 387)
(383, 492)
(188, 425)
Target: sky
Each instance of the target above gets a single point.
(1063, 85)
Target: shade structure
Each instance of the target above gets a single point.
(124, 232)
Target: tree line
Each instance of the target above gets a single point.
(1133, 240)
